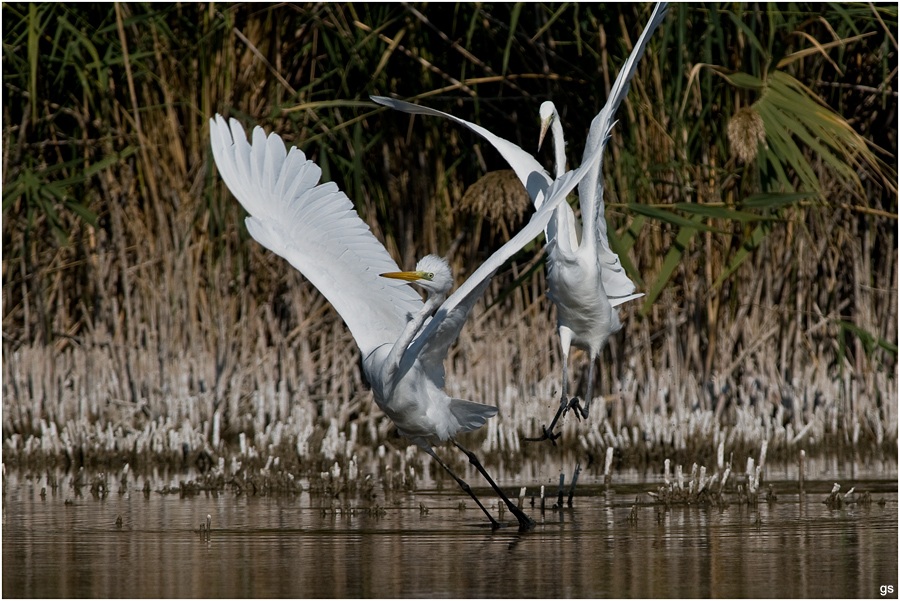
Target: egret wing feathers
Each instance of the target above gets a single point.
(528, 170)
(616, 282)
(592, 205)
(315, 228)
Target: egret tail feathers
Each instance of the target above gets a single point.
(471, 415)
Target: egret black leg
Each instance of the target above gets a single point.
(564, 404)
(590, 389)
(463, 485)
(548, 433)
(525, 522)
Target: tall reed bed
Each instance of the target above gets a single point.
(139, 316)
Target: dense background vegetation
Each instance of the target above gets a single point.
(750, 187)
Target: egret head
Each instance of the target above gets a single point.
(548, 114)
(432, 273)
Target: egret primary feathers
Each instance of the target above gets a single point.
(403, 340)
(586, 280)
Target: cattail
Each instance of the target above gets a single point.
(725, 478)
(762, 453)
(353, 470)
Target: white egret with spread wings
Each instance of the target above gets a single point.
(403, 340)
(586, 280)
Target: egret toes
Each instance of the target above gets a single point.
(581, 412)
(546, 435)
(564, 406)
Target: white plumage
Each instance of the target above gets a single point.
(403, 340)
(586, 280)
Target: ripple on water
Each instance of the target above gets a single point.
(423, 544)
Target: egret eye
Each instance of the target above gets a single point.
(428, 275)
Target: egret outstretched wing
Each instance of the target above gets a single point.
(315, 228)
(528, 170)
(590, 191)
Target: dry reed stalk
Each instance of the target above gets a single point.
(162, 326)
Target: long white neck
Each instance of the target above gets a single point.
(394, 358)
(559, 143)
(559, 228)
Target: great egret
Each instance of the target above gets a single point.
(585, 278)
(403, 341)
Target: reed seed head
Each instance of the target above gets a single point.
(498, 197)
(746, 131)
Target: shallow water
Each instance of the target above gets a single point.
(303, 546)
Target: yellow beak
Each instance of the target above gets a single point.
(545, 125)
(409, 276)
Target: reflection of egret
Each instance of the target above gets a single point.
(403, 340)
(585, 278)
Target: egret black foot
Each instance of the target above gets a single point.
(547, 435)
(580, 412)
(525, 524)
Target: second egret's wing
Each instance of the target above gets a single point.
(528, 170)
(616, 283)
(592, 206)
(432, 344)
(315, 228)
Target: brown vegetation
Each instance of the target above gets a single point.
(140, 322)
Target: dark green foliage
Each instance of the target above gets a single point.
(115, 225)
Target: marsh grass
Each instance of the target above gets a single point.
(142, 325)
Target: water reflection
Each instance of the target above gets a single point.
(299, 546)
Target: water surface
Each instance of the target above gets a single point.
(421, 544)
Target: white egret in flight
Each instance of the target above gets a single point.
(403, 341)
(585, 278)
